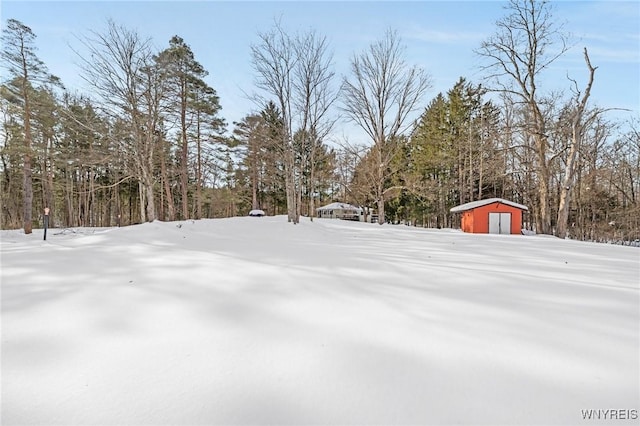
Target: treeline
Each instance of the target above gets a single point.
(465, 148)
(151, 142)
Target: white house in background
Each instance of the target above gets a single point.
(341, 211)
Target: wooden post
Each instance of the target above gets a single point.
(46, 221)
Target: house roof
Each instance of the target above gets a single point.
(474, 204)
(335, 206)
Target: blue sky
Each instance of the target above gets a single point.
(439, 36)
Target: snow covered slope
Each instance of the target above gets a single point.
(257, 321)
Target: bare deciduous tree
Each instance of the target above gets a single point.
(297, 72)
(274, 59)
(381, 93)
(313, 97)
(526, 43)
(579, 121)
(119, 66)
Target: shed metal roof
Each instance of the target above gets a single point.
(344, 206)
(474, 204)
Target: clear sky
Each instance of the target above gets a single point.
(439, 35)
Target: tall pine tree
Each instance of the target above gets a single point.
(26, 72)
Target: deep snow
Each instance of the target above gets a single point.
(257, 321)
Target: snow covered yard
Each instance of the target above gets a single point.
(256, 321)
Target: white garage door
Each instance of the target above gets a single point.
(500, 223)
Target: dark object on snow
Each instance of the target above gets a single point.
(46, 221)
(256, 213)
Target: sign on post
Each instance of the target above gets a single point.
(46, 221)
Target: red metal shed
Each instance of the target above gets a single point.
(491, 216)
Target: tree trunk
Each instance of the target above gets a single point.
(380, 178)
(577, 132)
(184, 157)
(143, 210)
(147, 176)
(543, 222)
(254, 181)
(567, 186)
(28, 195)
(290, 184)
(198, 170)
(167, 187)
(380, 205)
(151, 206)
(28, 180)
(312, 185)
(298, 200)
(47, 179)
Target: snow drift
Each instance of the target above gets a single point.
(244, 321)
